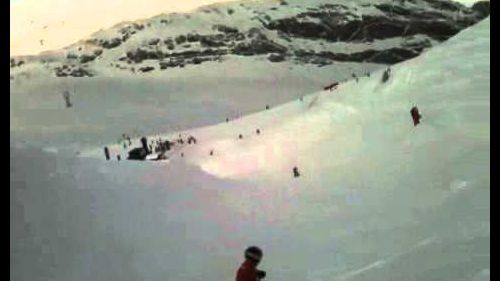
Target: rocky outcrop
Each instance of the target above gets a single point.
(482, 8)
(398, 21)
(65, 71)
(276, 57)
(418, 23)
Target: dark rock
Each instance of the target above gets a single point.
(86, 58)
(211, 41)
(276, 57)
(146, 69)
(193, 37)
(225, 29)
(171, 63)
(444, 5)
(68, 56)
(109, 44)
(258, 47)
(482, 8)
(154, 41)
(65, 71)
(180, 39)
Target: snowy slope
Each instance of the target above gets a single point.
(171, 95)
(378, 199)
(353, 122)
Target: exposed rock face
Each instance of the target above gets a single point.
(482, 8)
(66, 71)
(410, 26)
(398, 21)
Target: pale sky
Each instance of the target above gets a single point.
(63, 22)
(60, 23)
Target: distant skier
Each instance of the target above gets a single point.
(240, 136)
(415, 115)
(227, 120)
(106, 152)
(267, 107)
(118, 157)
(211, 152)
(191, 139)
(258, 132)
(67, 99)
(248, 270)
(296, 173)
(386, 75)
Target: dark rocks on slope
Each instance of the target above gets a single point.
(65, 71)
(482, 8)
(276, 57)
(387, 56)
(180, 39)
(87, 58)
(225, 29)
(146, 69)
(111, 43)
(336, 26)
(258, 47)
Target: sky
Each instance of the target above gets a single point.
(63, 22)
(60, 23)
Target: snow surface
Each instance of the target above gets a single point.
(378, 199)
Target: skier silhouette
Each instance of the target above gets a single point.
(415, 115)
(248, 270)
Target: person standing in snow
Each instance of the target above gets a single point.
(415, 115)
(248, 270)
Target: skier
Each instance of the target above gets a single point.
(296, 172)
(386, 75)
(240, 136)
(106, 152)
(258, 132)
(415, 115)
(248, 270)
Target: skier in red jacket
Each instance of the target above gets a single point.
(248, 270)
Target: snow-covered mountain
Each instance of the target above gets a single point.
(377, 198)
(303, 32)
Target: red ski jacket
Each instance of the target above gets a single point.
(247, 272)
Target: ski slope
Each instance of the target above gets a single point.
(378, 199)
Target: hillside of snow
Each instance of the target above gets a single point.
(378, 199)
(179, 71)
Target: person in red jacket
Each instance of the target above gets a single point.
(248, 270)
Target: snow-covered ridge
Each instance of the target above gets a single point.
(356, 124)
(311, 32)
